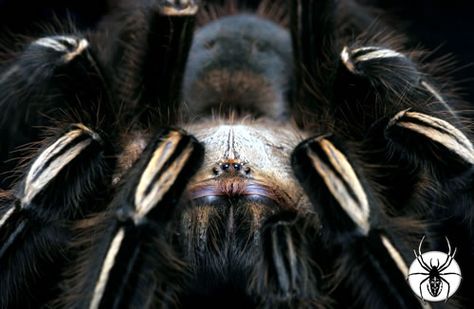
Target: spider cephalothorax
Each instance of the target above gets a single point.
(284, 163)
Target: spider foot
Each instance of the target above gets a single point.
(179, 7)
(290, 276)
(372, 76)
(420, 132)
(61, 47)
(398, 112)
(366, 60)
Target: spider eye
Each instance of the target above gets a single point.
(225, 166)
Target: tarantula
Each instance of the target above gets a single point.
(292, 161)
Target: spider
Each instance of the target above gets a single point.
(435, 273)
(286, 157)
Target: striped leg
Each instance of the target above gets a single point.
(356, 241)
(61, 185)
(314, 35)
(423, 157)
(375, 82)
(383, 99)
(449, 157)
(433, 139)
(54, 78)
(148, 47)
(130, 263)
(286, 276)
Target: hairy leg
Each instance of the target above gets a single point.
(54, 80)
(424, 155)
(359, 248)
(131, 263)
(37, 216)
(146, 45)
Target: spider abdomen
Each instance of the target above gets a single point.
(239, 63)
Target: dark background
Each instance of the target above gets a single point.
(445, 25)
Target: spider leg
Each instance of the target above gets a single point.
(53, 78)
(313, 26)
(421, 291)
(366, 260)
(422, 262)
(132, 260)
(418, 274)
(420, 135)
(440, 140)
(451, 274)
(449, 257)
(449, 287)
(381, 81)
(419, 256)
(148, 50)
(286, 275)
(405, 119)
(416, 135)
(36, 218)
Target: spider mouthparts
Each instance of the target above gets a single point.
(237, 187)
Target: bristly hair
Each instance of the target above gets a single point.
(274, 10)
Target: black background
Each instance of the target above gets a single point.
(445, 25)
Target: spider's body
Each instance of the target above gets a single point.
(435, 283)
(273, 167)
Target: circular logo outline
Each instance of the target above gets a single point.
(434, 276)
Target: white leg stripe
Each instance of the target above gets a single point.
(144, 202)
(38, 178)
(51, 43)
(396, 256)
(443, 133)
(155, 165)
(106, 268)
(366, 48)
(70, 40)
(56, 43)
(7, 215)
(441, 138)
(379, 54)
(358, 211)
(9, 73)
(350, 57)
(346, 59)
(437, 96)
(340, 163)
